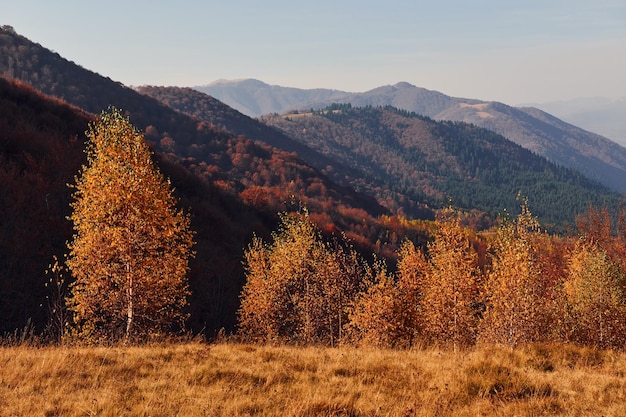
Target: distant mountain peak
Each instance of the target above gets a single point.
(404, 84)
(245, 82)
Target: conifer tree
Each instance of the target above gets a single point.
(130, 251)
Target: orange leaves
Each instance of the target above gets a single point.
(525, 288)
(451, 286)
(298, 288)
(512, 287)
(433, 300)
(375, 319)
(595, 295)
(130, 252)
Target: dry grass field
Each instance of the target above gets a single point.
(239, 380)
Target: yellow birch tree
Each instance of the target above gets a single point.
(595, 290)
(452, 286)
(413, 271)
(298, 288)
(376, 318)
(522, 298)
(130, 251)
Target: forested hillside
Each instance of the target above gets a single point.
(409, 162)
(205, 108)
(403, 154)
(564, 144)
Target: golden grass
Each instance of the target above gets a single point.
(239, 380)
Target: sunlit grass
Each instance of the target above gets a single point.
(239, 379)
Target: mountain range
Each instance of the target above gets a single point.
(564, 144)
(410, 162)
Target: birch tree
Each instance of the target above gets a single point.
(595, 291)
(523, 302)
(298, 288)
(451, 287)
(130, 251)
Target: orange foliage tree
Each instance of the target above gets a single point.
(515, 303)
(129, 255)
(389, 311)
(298, 289)
(595, 291)
(451, 286)
(435, 298)
(376, 317)
(413, 272)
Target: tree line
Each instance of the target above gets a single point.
(514, 285)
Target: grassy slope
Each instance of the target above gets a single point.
(237, 379)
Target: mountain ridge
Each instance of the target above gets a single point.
(406, 160)
(521, 125)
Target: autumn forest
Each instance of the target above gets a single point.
(399, 232)
(440, 281)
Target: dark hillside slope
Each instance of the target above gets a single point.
(41, 145)
(41, 151)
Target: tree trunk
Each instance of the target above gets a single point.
(129, 310)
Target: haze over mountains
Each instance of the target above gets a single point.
(595, 156)
(602, 115)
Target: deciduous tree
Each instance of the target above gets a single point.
(130, 251)
(413, 272)
(512, 284)
(376, 317)
(595, 291)
(298, 288)
(451, 287)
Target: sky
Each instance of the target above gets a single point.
(516, 52)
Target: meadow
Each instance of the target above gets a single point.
(235, 379)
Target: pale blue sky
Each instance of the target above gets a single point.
(510, 51)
